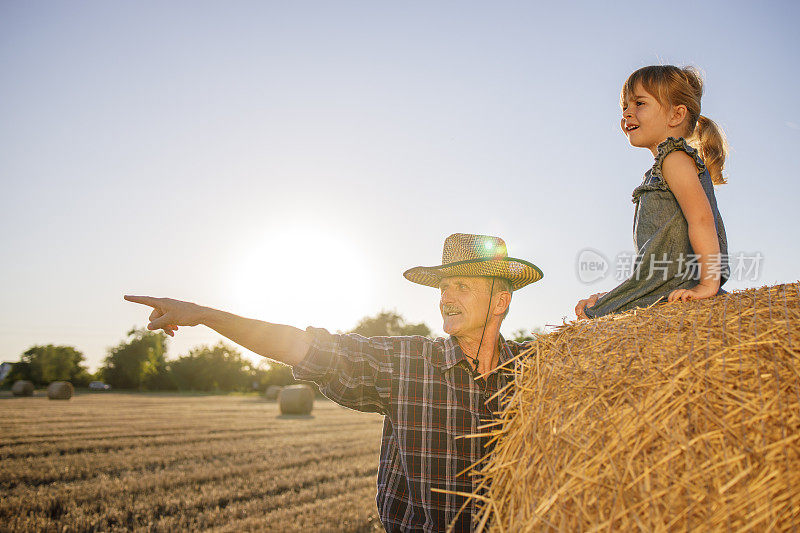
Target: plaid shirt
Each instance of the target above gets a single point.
(428, 394)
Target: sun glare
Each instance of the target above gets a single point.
(302, 277)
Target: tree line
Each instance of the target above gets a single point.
(140, 362)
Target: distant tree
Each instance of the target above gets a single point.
(388, 324)
(138, 363)
(217, 368)
(20, 370)
(523, 335)
(45, 364)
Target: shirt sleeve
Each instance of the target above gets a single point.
(351, 370)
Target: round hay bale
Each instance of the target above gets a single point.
(678, 417)
(296, 400)
(272, 392)
(60, 390)
(22, 387)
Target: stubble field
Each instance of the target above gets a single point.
(106, 462)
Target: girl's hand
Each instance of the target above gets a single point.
(588, 302)
(699, 292)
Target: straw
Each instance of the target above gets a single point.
(675, 417)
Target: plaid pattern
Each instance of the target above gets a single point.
(428, 394)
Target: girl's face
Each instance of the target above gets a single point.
(645, 122)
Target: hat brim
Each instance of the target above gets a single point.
(516, 271)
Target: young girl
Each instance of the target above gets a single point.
(680, 242)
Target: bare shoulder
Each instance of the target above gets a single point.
(677, 163)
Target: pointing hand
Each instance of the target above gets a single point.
(168, 314)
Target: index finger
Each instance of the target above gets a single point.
(146, 300)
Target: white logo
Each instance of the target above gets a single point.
(591, 265)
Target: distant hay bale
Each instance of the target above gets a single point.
(60, 390)
(22, 387)
(296, 400)
(682, 416)
(272, 392)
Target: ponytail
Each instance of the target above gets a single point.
(710, 141)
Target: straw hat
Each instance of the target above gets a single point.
(476, 255)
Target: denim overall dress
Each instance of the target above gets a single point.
(664, 258)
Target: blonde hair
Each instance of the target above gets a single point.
(673, 86)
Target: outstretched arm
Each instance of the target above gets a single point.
(286, 344)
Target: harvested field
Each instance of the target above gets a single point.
(113, 461)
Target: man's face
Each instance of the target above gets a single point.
(464, 302)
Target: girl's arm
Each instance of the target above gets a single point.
(680, 173)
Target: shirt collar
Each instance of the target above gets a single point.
(448, 353)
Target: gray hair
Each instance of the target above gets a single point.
(502, 284)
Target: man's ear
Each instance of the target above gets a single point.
(679, 113)
(503, 301)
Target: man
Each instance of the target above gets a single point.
(432, 393)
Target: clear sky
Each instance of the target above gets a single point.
(289, 160)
